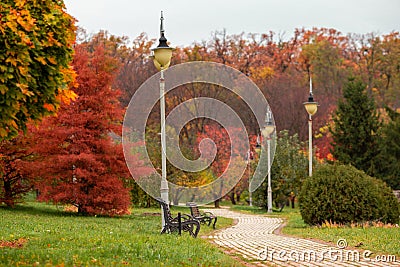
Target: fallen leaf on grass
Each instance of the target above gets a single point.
(19, 243)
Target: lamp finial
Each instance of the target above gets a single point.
(162, 40)
(162, 25)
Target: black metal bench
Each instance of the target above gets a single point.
(202, 217)
(179, 223)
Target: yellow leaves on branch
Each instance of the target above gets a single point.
(10, 124)
(262, 73)
(34, 80)
(12, 60)
(20, 3)
(20, 17)
(69, 76)
(25, 89)
(52, 60)
(51, 40)
(41, 60)
(66, 96)
(26, 21)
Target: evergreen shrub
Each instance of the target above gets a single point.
(343, 194)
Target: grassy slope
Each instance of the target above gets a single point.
(57, 238)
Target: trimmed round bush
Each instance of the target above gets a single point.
(343, 194)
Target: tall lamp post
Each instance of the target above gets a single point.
(249, 158)
(268, 129)
(311, 107)
(161, 56)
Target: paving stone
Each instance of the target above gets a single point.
(253, 238)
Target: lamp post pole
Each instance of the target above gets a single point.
(311, 107)
(309, 145)
(161, 56)
(269, 128)
(250, 193)
(164, 190)
(269, 189)
(249, 158)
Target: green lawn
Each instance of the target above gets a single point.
(376, 239)
(50, 237)
(56, 238)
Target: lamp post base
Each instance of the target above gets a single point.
(269, 200)
(164, 192)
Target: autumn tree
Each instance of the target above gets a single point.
(355, 129)
(281, 68)
(136, 67)
(389, 69)
(227, 155)
(78, 162)
(36, 41)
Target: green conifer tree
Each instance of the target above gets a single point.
(388, 161)
(355, 130)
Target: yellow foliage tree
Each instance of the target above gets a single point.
(36, 48)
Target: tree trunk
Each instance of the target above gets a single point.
(8, 197)
(233, 198)
(238, 197)
(292, 201)
(216, 203)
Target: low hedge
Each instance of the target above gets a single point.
(343, 194)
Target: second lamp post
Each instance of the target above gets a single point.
(268, 129)
(311, 107)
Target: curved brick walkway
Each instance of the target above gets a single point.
(252, 238)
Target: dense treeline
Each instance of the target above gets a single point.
(280, 67)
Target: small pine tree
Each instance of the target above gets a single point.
(355, 130)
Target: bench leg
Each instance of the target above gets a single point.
(196, 231)
(164, 230)
(215, 221)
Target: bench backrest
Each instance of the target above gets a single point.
(166, 210)
(194, 209)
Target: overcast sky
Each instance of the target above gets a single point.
(189, 21)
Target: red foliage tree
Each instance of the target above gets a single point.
(225, 154)
(78, 161)
(13, 182)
